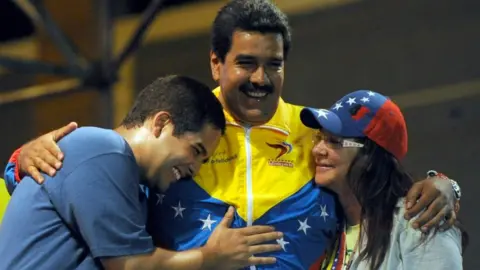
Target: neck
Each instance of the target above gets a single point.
(135, 138)
(351, 207)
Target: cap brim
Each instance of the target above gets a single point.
(321, 119)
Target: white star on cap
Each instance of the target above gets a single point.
(365, 99)
(178, 210)
(160, 198)
(303, 226)
(371, 94)
(322, 113)
(324, 213)
(282, 243)
(350, 101)
(207, 223)
(338, 106)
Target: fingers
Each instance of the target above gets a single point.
(36, 175)
(253, 230)
(263, 238)
(228, 218)
(413, 195)
(456, 207)
(261, 260)
(63, 131)
(264, 248)
(39, 162)
(451, 218)
(436, 219)
(432, 216)
(422, 203)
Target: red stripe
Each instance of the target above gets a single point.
(14, 159)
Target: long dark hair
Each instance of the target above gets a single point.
(378, 181)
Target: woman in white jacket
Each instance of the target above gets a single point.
(358, 146)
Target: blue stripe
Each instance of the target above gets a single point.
(9, 176)
(301, 252)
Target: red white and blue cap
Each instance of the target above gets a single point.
(361, 114)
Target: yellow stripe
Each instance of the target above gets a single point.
(4, 198)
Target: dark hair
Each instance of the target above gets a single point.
(190, 103)
(378, 181)
(248, 15)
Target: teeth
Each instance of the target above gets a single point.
(177, 174)
(256, 94)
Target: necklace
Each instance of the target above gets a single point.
(342, 251)
(350, 258)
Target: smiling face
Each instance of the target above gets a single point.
(332, 160)
(171, 157)
(251, 77)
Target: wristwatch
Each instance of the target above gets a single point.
(457, 191)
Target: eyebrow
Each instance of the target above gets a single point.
(251, 57)
(203, 150)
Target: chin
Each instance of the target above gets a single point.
(324, 179)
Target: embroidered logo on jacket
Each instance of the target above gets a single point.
(285, 148)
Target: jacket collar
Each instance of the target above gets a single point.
(280, 119)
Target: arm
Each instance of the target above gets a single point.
(102, 197)
(11, 173)
(438, 250)
(41, 154)
(437, 197)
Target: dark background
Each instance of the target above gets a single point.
(425, 53)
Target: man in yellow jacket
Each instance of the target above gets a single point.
(263, 164)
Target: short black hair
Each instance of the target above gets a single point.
(190, 103)
(248, 15)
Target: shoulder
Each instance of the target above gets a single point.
(412, 238)
(91, 146)
(292, 113)
(89, 142)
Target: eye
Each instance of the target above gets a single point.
(195, 151)
(275, 64)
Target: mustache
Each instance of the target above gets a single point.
(256, 87)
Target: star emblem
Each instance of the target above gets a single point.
(338, 106)
(207, 223)
(324, 213)
(350, 101)
(160, 198)
(322, 113)
(365, 99)
(282, 243)
(371, 94)
(303, 226)
(178, 210)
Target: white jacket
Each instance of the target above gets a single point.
(407, 251)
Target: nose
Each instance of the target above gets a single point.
(259, 76)
(320, 149)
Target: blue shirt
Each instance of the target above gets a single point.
(92, 208)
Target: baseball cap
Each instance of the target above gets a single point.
(361, 114)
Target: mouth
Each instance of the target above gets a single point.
(256, 92)
(325, 167)
(176, 173)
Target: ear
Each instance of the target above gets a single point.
(215, 64)
(160, 121)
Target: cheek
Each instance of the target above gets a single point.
(277, 80)
(232, 77)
